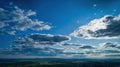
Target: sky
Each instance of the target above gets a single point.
(59, 28)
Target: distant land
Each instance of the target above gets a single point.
(59, 62)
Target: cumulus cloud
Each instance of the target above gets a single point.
(42, 39)
(105, 27)
(15, 19)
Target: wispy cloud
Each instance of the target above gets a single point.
(15, 19)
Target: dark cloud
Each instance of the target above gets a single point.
(42, 39)
(15, 19)
(106, 27)
(48, 37)
(87, 47)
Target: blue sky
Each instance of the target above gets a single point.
(59, 17)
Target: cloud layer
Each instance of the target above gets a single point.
(29, 50)
(105, 27)
(42, 39)
(15, 19)
(36, 45)
(103, 50)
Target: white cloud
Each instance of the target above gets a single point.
(103, 28)
(16, 19)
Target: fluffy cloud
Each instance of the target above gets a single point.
(15, 19)
(42, 39)
(105, 27)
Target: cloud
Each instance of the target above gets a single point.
(35, 45)
(14, 19)
(109, 45)
(106, 27)
(78, 49)
(105, 50)
(42, 39)
(73, 51)
(71, 44)
(102, 50)
(87, 47)
(30, 50)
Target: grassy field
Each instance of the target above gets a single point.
(60, 63)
